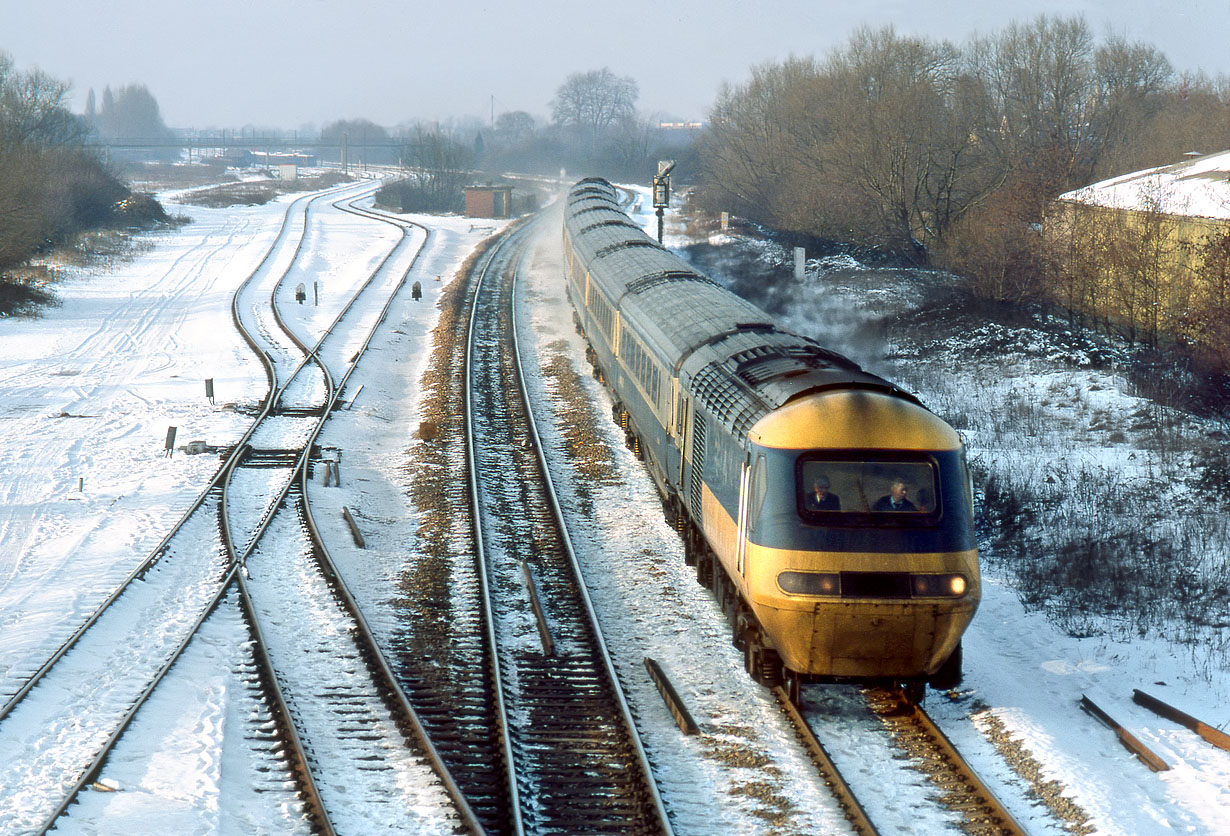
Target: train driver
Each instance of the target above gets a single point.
(895, 499)
(820, 499)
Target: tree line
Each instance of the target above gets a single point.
(129, 113)
(51, 186)
(594, 129)
(951, 155)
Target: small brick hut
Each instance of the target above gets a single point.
(488, 201)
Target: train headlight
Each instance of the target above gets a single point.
(938, 586)
(810, 583)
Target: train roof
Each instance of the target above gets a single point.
(734, 358)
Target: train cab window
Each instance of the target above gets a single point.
(882, 491)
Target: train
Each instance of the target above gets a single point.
(829, 511)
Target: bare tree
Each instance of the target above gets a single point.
(514, 126)
(437, 167)
(50, 186)
(749, 150)
(903, 137)
(33, 110)
(591, 102)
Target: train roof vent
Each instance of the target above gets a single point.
(592, 185)
(591, 192)
(765, 362)
(734, 405)
(623, 245)
(716, 389)
(662, 277)
(601, 207)
(608, 222)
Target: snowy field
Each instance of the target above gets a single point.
(89, 389)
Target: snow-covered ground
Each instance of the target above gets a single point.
(88, 390)
(1022, 670)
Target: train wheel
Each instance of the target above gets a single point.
(751, 659)
(744, 624)
(914, 691)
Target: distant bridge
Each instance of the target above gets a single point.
(228, 140)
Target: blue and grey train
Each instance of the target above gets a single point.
(829, 511)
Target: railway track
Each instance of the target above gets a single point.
(913, 733)
(539, 739)
(95, 685)
(358, 766)
(577, 758)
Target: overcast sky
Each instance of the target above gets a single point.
(301, 63)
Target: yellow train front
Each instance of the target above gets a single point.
(857, 557)
(829, 511)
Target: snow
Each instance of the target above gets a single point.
(1199, 187)
(1021, 667)
(88, 390)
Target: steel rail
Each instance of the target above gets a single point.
(334, 577)
(497, 687)
(557, 511)
(92, 771)
(282, 715)
(829, 773)
(95, 767)
(367, 642)
(220, 480)
(157, 552)
(1209, 734)
(986, 812)
(380, 664)
(302, 763)
(612, 757)
(309, 352)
